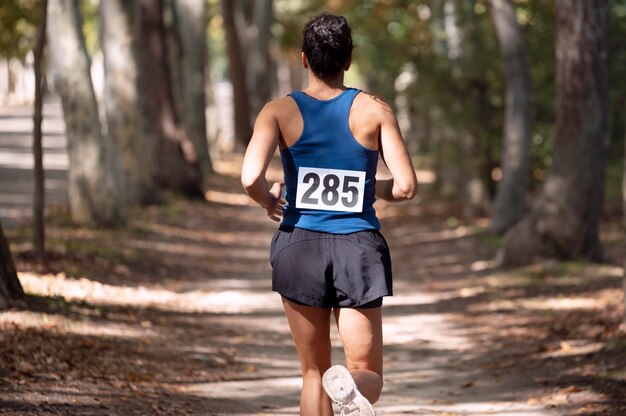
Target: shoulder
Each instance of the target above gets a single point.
(278, 108)
(278, 105)
(373, 106)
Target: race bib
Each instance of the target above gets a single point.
(330, 189)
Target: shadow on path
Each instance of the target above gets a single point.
(174, 315)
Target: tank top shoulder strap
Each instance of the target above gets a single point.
(350, 94)
(341, 103)
(300, 98)
(347, 99)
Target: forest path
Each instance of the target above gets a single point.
(436, 362)
(173, 315)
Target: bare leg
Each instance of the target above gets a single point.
(310, 329)
(362, 337)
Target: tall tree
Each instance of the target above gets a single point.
(445, 45)
(175, 155)
(237, 71)
(93, 171)
(10, 287)
(124, 113)
(515, 160)
(564, 219)
(191, 16)
(259, 64)
(462, 158)
(624, 223)
(39, 191)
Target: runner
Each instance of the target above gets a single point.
(328, 256)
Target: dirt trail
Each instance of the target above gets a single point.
(431, 357)
(173, 315)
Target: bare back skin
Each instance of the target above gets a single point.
(365, 120)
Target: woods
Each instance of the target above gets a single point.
(485, 131)
(125, 118)
(94, 171)
(564, 220)
(509, 201)
(513, 111)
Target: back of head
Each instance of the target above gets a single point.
(327, 45)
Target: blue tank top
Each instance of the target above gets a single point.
(330, 177)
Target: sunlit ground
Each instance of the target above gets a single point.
(173, 314)
(187, 295)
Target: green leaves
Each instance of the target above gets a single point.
(18, 20)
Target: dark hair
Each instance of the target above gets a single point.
(327, 44)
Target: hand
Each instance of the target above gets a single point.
(275, 211)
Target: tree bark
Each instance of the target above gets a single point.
(39, 190)
(191, 27)
(10, 287)
(624, 222)
(124, 115)
(259, 66)
(175, 155)
(564, 220)
(237, 71)
(515, 160)
(461, 160)
(93, 188)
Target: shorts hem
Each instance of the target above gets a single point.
(320, 304)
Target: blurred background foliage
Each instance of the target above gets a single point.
(441, 65)
(18, 20)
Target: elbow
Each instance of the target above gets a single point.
(248, 181)
(408, 191)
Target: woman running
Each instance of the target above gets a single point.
(328, 256)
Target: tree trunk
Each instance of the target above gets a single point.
(237, 71)
(438, 28)
(175, 155)
(125, 119)
(93, 188)
(624, 222)
(462, 157)
(564, 220)
(191, 28)
(515, 160)
(445, 155)
(10, 287)
(259, 66)
(39, 236)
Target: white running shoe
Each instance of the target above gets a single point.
(341, 389)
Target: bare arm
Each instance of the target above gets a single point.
(394, 153)
(258, 155)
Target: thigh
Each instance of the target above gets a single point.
(362, 337)
(310, 329)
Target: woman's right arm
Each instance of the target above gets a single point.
(403, 184)
(258, 155)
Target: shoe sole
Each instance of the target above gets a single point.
(341, 388)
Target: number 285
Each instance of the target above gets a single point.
(330, 192)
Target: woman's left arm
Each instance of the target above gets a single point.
(258, 155)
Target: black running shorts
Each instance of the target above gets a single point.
(331, 270)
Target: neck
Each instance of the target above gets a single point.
(325, 86)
